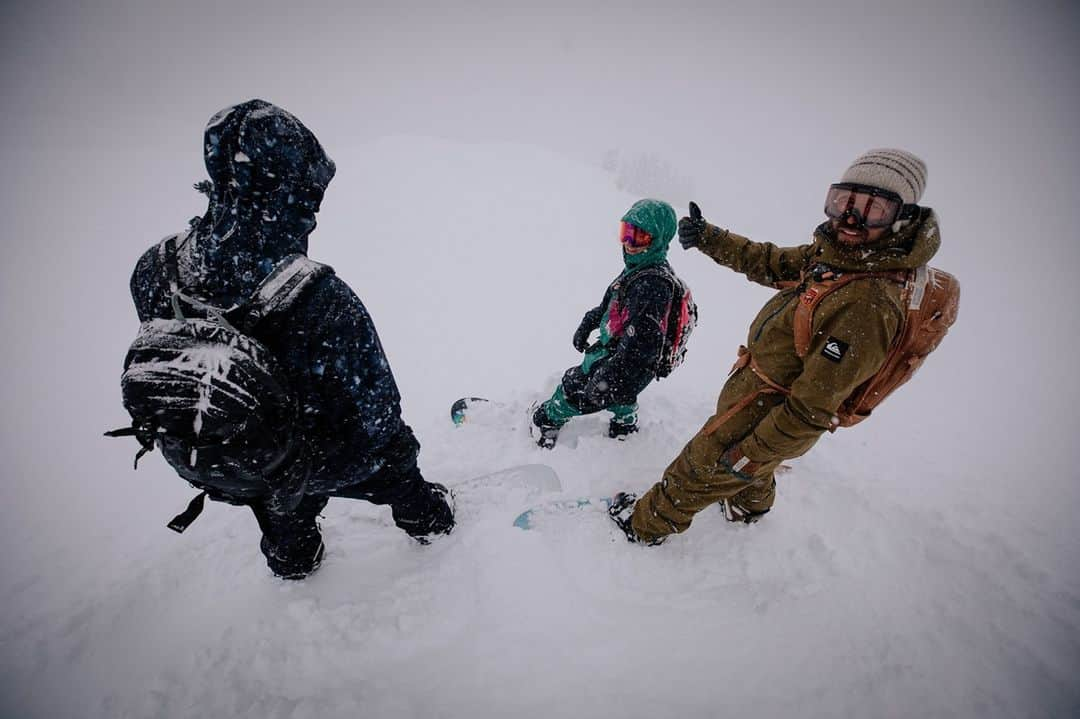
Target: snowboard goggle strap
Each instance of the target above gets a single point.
(870, 206)
(634, 236)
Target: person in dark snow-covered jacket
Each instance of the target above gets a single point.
(268, 174)
(632, 320)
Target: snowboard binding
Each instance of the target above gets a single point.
(542, 428)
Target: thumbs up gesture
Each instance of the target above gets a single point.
(692, 228)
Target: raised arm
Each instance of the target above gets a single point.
(761, 262)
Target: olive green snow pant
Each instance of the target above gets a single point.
(695, 480)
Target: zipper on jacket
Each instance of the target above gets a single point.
(796, 291)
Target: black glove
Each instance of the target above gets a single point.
(589, 322)
(692, 228)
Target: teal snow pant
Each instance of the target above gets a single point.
(580, 393)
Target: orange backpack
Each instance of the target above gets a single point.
(932, 297)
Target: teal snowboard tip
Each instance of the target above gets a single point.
(524, 520)
(560, 506)
(458, 410)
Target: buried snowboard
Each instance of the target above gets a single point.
(539, 515)
(479, 411)
(518, 486)
(536, 516)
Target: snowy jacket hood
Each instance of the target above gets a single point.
(268, 174)
(658, 219)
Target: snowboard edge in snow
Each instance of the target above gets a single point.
(533, 517)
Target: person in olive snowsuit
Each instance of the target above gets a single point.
(268, 174)
(732, 459)
(632, 318)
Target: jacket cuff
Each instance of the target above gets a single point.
(712, 239)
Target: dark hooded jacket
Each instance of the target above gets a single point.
(268, 174)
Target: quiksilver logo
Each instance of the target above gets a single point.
(834, 349)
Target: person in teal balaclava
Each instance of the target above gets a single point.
(632, 319)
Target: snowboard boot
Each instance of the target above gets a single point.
(545, 431)
(295, 566)
(621, 510)
(291, 541)
(751, 504)
(735, 512)
(621, 430)
(623, 421)
(427, 515)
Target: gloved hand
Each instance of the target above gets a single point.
(692, 228)
(589, 322)
(581, 338)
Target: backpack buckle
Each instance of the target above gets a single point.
(144, 434)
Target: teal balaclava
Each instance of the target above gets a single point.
(658, 219)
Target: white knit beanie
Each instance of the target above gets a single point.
(889, 169)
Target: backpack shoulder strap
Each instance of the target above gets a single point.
(283, 286)
(916, 287)
(818, 291)
(167, 257)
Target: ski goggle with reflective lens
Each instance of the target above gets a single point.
(635, 237)
(870, 206)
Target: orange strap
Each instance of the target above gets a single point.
(803, 328)
(774, 386)
(816, 292)
(745, 360)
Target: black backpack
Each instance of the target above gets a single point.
(213, 398)
(681, 319)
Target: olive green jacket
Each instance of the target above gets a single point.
(852, 330)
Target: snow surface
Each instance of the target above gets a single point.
(876, 587)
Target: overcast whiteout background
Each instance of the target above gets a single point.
(922, 564)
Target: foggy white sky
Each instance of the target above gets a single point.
(729, 93)
(711, 85)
